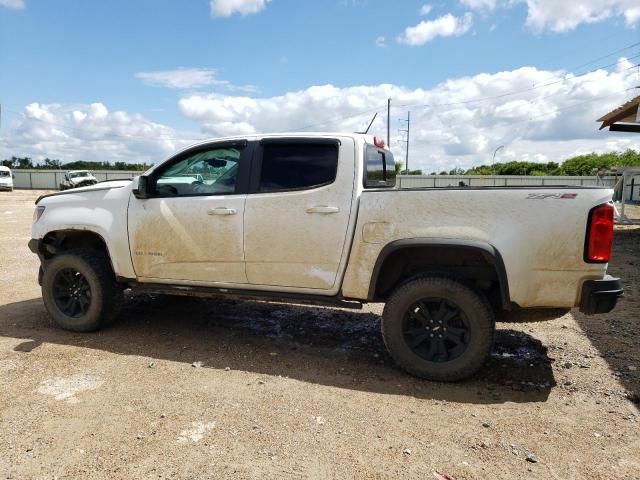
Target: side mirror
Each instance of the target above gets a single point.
(144, 187)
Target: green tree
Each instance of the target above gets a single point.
(52, 164)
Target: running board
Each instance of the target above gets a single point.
(237, 294)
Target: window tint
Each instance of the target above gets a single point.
(205, 172)
(297, 165)
(380, 168)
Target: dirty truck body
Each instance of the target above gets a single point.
(315, 218)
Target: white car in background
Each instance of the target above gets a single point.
(77, 178)
(6, 179)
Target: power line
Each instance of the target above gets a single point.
(419, 105)
(504, 95)
(605, 56)
(516, 92)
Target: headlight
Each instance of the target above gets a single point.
(37, 213)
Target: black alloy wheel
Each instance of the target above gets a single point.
(72, 292)
(436, 330)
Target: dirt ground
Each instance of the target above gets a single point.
(199, 389)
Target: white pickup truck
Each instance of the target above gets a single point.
(315, 218)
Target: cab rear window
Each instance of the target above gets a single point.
(380, 168)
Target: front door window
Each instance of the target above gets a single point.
(208, 172)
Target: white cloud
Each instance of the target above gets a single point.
(445, 26)
(226, 8)
(89, 132)
(184, 78)
(563, 16)
(381, 42)
(457, 123)
(479, 4)
(425, 9)
(14, 4)
(181, 78)
(632, 15)
(453, 124)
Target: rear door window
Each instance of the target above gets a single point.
(380, 168)
(297, 165)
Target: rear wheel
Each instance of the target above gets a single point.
(80, 292)
(438, 329)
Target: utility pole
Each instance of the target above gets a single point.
(388, 123)
(408, 120)
(493, 163)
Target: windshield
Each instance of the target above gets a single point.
(79, 174)
(4, 173)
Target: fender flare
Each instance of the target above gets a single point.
(36, 245)
(475, 245)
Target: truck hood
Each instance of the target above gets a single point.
(107, 185)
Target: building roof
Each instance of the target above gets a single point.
(625, 118)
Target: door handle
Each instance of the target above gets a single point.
(323, 209)
(222, 211)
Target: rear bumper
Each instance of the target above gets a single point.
(600, 296)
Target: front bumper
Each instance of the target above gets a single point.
(6, 187)
(600, 296)
(34, 245)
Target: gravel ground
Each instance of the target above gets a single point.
(191, 388)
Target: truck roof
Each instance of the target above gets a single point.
(5, 169)
(259, 136)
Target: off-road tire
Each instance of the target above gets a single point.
(106, 295)
(480, 320)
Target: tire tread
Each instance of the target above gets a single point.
(394, 312)
(112, 293)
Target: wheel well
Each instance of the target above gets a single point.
(476, 265)
(55, 243)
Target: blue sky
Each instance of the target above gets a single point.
(130, 80)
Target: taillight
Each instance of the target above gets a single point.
(599, 234)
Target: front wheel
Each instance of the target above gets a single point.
(80, 291)
(438, 329)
